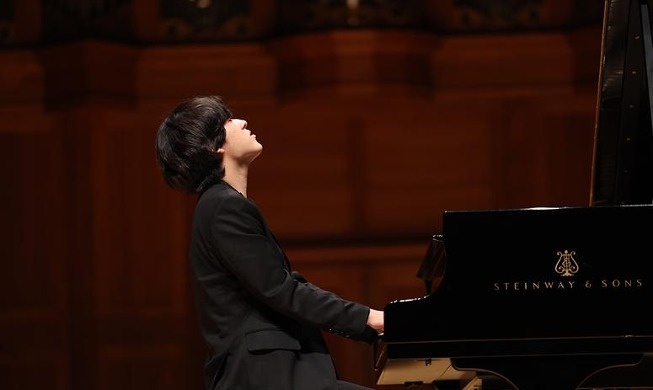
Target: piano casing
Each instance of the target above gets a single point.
(548, 298)
(531, 296)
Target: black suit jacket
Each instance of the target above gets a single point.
(261, 320)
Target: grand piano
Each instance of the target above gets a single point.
(547, 298)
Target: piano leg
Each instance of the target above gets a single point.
(564, 372)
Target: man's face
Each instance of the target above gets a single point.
(240, 144)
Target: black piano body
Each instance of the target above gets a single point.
(548, 298)
(541, 298)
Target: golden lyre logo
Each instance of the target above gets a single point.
(566, 264)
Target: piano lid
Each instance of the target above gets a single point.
(622, 169)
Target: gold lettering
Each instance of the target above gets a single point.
(566, 284)
(622, 283)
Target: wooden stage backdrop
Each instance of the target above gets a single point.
(369, 134)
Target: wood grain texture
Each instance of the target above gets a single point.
(368, 137)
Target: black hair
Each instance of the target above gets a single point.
(187, 141)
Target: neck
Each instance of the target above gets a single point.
(237, 178)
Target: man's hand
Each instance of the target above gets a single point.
(375, 320)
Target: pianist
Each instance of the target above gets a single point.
(260, 319)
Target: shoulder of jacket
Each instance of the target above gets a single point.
(221, 196)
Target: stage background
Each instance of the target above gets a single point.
(375, 116)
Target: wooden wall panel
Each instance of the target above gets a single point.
(133, 270)
(244, 71)
(570, 132)
(504, 61)
(550, 164)
(32, 200)
(363, 150)
(143, 304)
(302, 178)
(39, 370)
(34, 260)
(435, 152)
(21, 77)
(137, 368)
(357, 60)
(84, 72)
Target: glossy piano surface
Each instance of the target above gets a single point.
(552, 273)
(569, 283)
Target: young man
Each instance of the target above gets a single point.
(261, 319)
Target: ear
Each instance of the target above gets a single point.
(220, 151)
